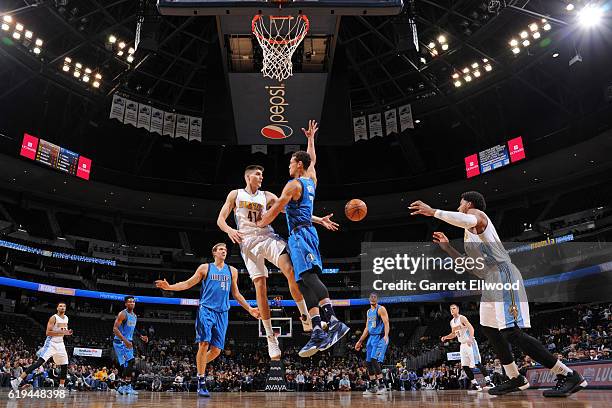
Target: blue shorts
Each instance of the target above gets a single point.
(211, 326)
(124, 354)
(376, 348)
(303, 248)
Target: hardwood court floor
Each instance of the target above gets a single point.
(420, 399)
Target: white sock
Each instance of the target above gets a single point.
(511, 370)
(268, 326)
(474, 381)
(19, 380)
(302, 307)
(560, 368)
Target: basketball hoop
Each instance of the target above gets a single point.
(279, 37)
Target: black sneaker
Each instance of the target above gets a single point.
(514, 384)
(566, 385)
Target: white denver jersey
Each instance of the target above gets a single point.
(462, 332)
(60, 324)
(249, 208)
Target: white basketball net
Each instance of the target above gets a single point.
(279, 37)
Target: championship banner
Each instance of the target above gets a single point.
(169, 121)
(391, 121)
(144, 116)
(259, 149)
(359, 128)
(405, 115)
(375, 125)
(195, 129)
(87, 352)
(157, 121)
(597, 373)
(117, 108)
(131, 112)
(182, 126)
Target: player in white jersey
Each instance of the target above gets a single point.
(57, 328)
(257, 245)
(463, 331)
(503, 313)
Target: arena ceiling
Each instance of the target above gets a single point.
(534, 93)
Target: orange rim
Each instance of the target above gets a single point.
(277, 42)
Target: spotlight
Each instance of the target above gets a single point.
(16, 35)
(130, 59)
(555, 55)
(5, 26)
(485, 60)
(122, 45)
(98, 76)
(28, 34)
(7, 19)
(457, 84)
(39, 42)
(19, 27)
(526, 43)
(455, 76)
(66, 68)
(120, 53)
(434, 52)
(475, 65)
(423, 60)
(569, 7)
(79, 65)
(467, 78)
(516, 50)
(533, 27)
(131, 50)
(96, 84)
(477, 74)
(85, 78)
(590, 16)
(441, 39)
(536, 35)
(444, 47)
(112, 39)
(513, 42)
(524, 34)
(77, 74)
(546, 27)
(431, 45)
(36, 50)
(488, 68)
(68, 60)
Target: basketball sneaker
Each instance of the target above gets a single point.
(122, 390)
(130, 391)
(488, 386)
(336, 331)
(306, 323)
(317, 339)
(273, 348)
(371, 390)
(566, 385)
(476, 387)
(381, 389)
(513, 384)
(203, 391)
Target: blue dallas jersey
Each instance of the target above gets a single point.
(214, 293)
(127, 327)
(299, 213)
(375, 323)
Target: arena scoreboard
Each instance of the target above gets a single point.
(495, 157)
(55, 156)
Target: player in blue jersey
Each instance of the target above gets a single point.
(124, 329)
(297, 199)
(377, 327)
(218, 279)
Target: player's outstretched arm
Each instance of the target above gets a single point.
(326, 222)
(292, 190)
(253, 311)
(228, 206)
(199, 274)
(382, 312)
(313, 126)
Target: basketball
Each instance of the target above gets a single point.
(355, 210)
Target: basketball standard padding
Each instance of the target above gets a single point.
(355, 210)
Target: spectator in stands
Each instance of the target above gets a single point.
(344, 384)
(498, 376)
(593, 356)
(300, 381)
(156, 385)
(526, 365)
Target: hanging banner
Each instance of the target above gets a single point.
(195, 129)
(290, 149)
(182, 126)
(405, 115)
(391, 121)
(259, 149)
(117, 108)
(169, 120)
(375, 125)
(359, 128)
(157, 121)
(131, 112)
(144, 116)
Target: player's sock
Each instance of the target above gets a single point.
(316, 322)
(301, 305)
(511, 370)
(561, 369)
(475, 381)
(268, 326)
(328, 312)
(19, 380)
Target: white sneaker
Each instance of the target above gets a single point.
(273, 348)
(306, 323)
(15, 384)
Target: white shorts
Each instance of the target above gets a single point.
(470, 355)
(257, 247)
(55, 349)
(498, 315)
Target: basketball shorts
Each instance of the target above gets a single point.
(211, 326)
(258, 246)
(498, 315)
(470, 355)
(124, 354)
(55, 349)
(376, 348)
(303, 247)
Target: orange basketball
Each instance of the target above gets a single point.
(355, 210)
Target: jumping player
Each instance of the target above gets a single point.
(260, 244)
(217, 280)
(124, 329)
(297, 199)
(502, 315)
(57, 328)
(462, 329)
(377, 327)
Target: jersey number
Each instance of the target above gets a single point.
(225, 286)
(253, 216)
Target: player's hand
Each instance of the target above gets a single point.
(68, 332)
(441, 239)
(162, 284)
(386, 339)
(443, 339)
(144, 338)
(358, 346)
(235, 236)
(328, 223)
(254, 312)
(128, 344)
(313, 126)
(420, 208)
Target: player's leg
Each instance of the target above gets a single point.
(204, 326)
(213, 353)
(568, 380)
(286, 267)
(372, 386)
(379, 358)
(481, 367)
(318, 337)
(217, 342)
(15, 383)
(61, 359)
